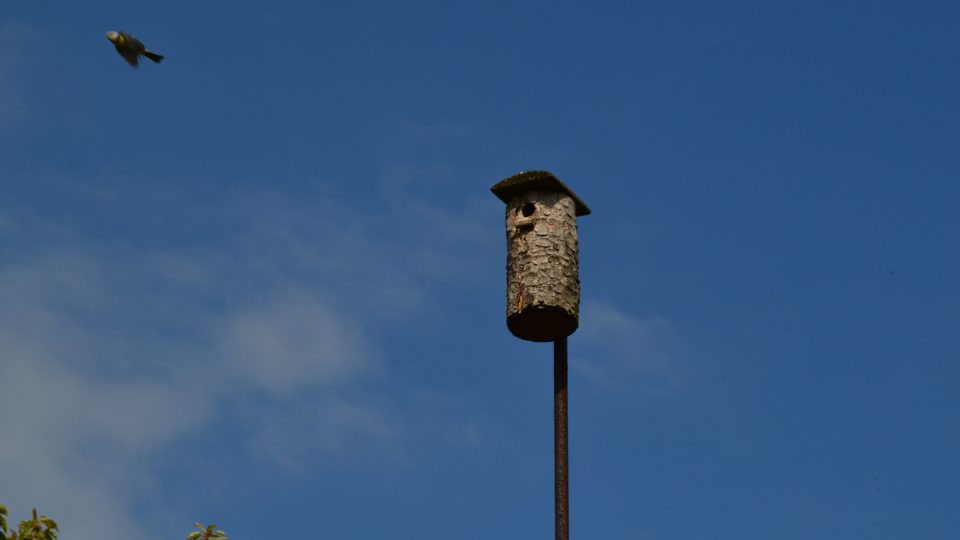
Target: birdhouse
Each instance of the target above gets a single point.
(543, 276)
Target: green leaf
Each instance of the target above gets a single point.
(194, 535)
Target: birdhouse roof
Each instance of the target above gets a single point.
(507, 188)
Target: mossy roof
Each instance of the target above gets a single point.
(507, 188)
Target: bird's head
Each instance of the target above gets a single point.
(113, 36)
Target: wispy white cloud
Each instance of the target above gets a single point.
(72, 437)
(108, 357)
(110, 354)
(621, 350)
(113, 351)
(331, 426)
(292, 341)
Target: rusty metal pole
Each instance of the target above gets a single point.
(561, 476)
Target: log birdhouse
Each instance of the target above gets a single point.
(543, 276)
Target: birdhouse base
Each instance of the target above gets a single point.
(542, 324)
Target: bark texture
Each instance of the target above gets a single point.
(543, 281)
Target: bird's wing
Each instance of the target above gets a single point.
(133, 44)
(132, 57)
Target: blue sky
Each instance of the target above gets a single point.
(262, 283)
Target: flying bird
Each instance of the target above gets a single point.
(131, 49)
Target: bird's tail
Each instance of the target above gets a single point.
(153, 56)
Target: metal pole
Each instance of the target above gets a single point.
(560, 459)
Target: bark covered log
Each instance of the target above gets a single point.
(543, 282)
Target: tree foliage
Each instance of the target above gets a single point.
(44, 528)
(210, 532)
(36, 528)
